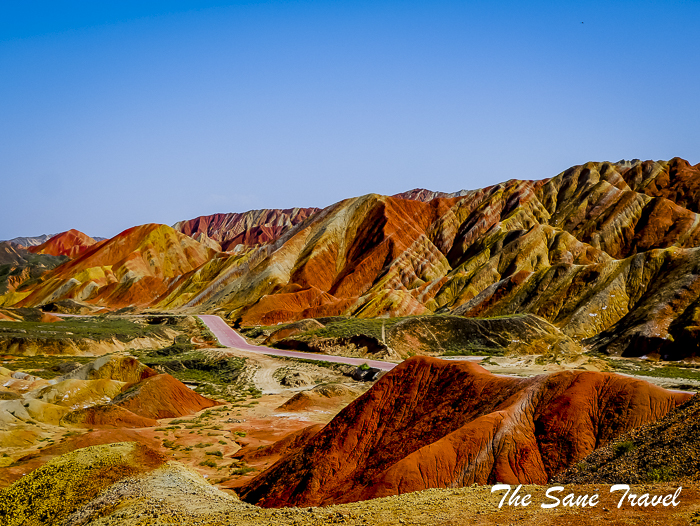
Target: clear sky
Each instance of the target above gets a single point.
(118, 113)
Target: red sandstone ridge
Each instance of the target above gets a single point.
(256, 227)
(366, 246)
(676, 180)
(71, 243)
(432, 423)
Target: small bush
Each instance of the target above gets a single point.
(208, 462)
(623, 448)
(662, 474)
(242, 471)
(215, 454)
(204, 445)
(170, 444)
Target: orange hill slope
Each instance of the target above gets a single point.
(369, 245)
(134, 267)
(432, 423)
(71, 243)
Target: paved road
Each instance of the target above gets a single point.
(230, 338)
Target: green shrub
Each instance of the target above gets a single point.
(662, 474)
(242, 471)
(623, 448)
(170, 444)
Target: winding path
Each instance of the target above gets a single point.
(230, 338)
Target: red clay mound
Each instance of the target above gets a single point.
(161, 396)
(71, 244)
(106, 416)
(432, 423)
(320, 397)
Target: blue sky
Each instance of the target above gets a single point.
(114, 114)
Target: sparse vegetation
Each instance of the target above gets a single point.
(662, 474)
(347, 327)
(451, 343)
(169, 428)
(242, 471)
(205, 334)
(194, 426)
(690, 371)
(214, 377)
(170, 444)
(180, 345)
(47, 367)
(98, 328)
(473, 350)
(622, 448)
